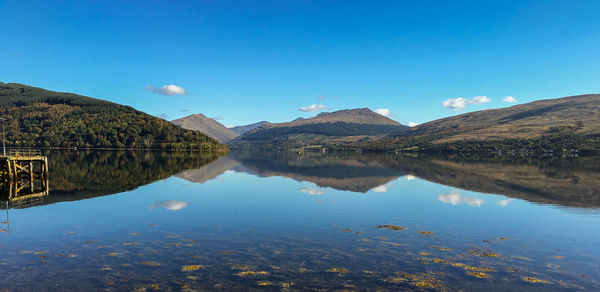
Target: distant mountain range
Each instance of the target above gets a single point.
(339, 127)
(240, 130)
(207, 126)
(37, 117)
(551, 124)
(214, 129)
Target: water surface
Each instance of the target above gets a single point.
(313, 221)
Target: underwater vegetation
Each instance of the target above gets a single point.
(390, 227)
(139, 265)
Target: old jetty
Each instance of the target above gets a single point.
(23, 175)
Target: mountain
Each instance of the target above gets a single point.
(336, 128)
(243, 129)
(37, 117)
(549, 125)
(207, 126)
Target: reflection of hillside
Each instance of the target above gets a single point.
(209, 171)
(76, 175)
(568, 182)
(342, 171)
(550, 180)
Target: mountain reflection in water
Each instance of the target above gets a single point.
(572, 182)
(312, 221)
(547, 180)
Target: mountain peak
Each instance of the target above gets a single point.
(357, 115)
(207, 126)
(356, 111)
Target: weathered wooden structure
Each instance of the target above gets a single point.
(23, 176)
(20, 164)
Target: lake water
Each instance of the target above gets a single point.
(144, 221)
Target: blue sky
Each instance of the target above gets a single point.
(247, 61)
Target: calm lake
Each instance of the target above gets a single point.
(145, 221)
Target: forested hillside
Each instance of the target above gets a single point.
(40, 118)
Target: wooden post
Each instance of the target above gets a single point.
(45, 172)
(31, 184)
(10, 169)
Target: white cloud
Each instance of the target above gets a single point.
(479, 99)
(456, 198)
(410, 177)
(509, 99)
(314, 108)
(503, 203)
(313, 191)
(412, 124)
(383, 111)
(218, 118)
(460, 103)
(167, 90)
(171, 205)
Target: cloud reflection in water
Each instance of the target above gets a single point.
(455, 198)
(172, 205)
(312, 191)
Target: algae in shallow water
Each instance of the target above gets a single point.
(534, 280)
(192, 268)
(338, 270)
(421, 280)
(441, 248)
(253, 273)
(390, 227)
(264, 283)
(477, 274)
(467, 267)
(482, 252)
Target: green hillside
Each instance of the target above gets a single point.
(568, 124)
(41, 118)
